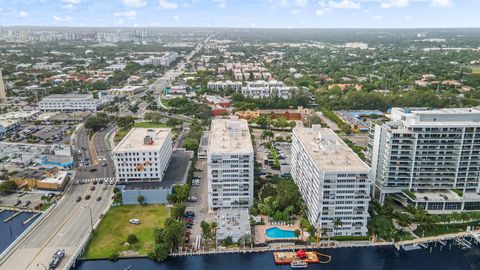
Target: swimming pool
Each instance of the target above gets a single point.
(276, 232)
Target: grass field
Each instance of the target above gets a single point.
(112, 232)
(151, 125)
(475, 69)
(120, 134)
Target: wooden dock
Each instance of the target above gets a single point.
(286, 257)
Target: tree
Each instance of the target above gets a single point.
(132, 239)
(267, 134)
(206, 230)
(191, 144)
(140, 199)
(337, 223)
(404, 220)
(126, 122)
(160, 252)
(304, 223)
(180, 193)
(177, 210)
(97, 122)
(172, 122)
(228, 241)
(8, 186)
(263, 122)
(297, 233)
(117, 198)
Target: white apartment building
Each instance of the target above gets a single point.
(428, 158)
(143, 155)
(70, 102)
(264, 89)
(164, 60)
(230, 160)
(219, 85)
(333, 180)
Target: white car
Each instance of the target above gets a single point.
(112, 182)
(134, 221)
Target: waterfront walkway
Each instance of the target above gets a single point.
(327, 245)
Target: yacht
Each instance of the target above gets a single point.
(298, 264)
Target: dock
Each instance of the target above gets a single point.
(12, 217)
(30, 218)
(286, 257)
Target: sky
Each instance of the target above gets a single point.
(243, 13)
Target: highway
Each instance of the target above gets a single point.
(69, 222)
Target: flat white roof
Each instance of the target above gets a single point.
(328, 151)
(229, 136)
(134, 140)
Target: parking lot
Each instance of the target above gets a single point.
(11, 200)
(57, 134)
(200, 207)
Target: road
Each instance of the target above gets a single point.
(69, 222)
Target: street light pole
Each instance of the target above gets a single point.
(91, 218)
(41, 264)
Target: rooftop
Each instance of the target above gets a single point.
(233, 222)
(135, 139)
(229, 136)
(69, 96)
(436, 117)
(328, 151)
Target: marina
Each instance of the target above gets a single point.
(13, 224)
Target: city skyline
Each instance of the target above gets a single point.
(244, 14)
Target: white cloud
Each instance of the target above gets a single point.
(395, 4)
(344, 4)
(176, 17)
(62, 19)
(73, 2)
(166, 4)
(300, 3)
(295, 11)
(128, 14)
(135, 3)
(22, 14)
(322, 11)
(441, 3)
(221, 3)
(377, 17)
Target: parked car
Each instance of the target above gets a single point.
(134, 221)
(78, 199)
(92, 188)
(27, 203)
(192, 199)
(87, 197)
(99, 198)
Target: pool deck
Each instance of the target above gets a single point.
(260, 236)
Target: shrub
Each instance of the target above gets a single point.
(114, 256)
(132, 239)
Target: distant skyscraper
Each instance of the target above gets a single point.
(3, 94)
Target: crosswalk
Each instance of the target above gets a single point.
(110, 180)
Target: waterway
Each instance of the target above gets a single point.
(9, 231)
(366, 258)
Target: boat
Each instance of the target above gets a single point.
(298, 264)
(128, 268)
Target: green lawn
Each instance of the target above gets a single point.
(475, 69)
(120, 134)
(446, 229)
(150, 125)
(112, 232)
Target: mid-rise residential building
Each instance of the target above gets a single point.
(333, 180)
(428, 158)
(70, 102)
(264, 89)
(143, 154)
(230, 160)
(219, 85)
(164, 60)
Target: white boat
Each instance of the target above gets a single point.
(298, 264)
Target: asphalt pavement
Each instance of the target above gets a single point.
(69, 222)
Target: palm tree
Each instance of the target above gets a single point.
(337, 223)
(404, 220)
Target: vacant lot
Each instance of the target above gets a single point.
(475, 69)
(112, 233)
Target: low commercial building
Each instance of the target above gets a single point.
(43, 179)
(333, 180)
(20, 155)
(230, 160)
(128, 90)
(143, 154)
(70, 102)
